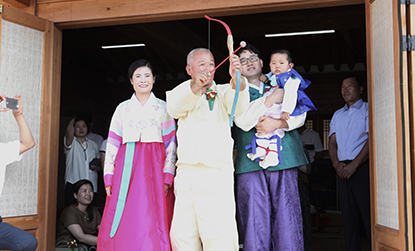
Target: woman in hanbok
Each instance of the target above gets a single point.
(139, 169)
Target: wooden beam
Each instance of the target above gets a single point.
(22, 18)
(27, 223)
(87, 13)
(18, 3)
(28, 6)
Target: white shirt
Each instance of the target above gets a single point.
(78, 156)
(204, 136)
(351, 126)
(290, 95)
(9, 153)
(310, 137)
(103, 147)
(98, 139)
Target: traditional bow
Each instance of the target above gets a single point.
(238, 73)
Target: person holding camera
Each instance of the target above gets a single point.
(82, 157)
(11, 237)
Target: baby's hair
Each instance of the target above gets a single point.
(283, 51)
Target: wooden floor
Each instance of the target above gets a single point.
(332, 239)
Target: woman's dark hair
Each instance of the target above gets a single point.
(81, 117)
(75, 190)
(137, 64)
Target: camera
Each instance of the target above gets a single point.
(12, 103)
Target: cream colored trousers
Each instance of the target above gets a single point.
(204, 211)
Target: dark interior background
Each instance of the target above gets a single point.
(94, 80)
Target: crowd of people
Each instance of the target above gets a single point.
(168, 166)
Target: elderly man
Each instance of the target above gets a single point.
(268, 203)
(204, 213)
(349, 153)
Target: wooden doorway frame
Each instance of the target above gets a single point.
(71, 14)
(384, 237)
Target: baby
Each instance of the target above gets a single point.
(294, 103)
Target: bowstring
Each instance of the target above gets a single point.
(208, 34)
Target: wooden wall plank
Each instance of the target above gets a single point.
(27, 223)
(411, 79)
(386, 237)
(19, 3)
(407, 127)
(22, 18)
(403, 134)
(106, 12)
(29, 6)
(54, 1)
(49, 137)
(372, 139)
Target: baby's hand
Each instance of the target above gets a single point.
(264, 79)
(285, 116)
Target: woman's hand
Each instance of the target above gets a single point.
(94, 164)
(166, 188)
(108, 189)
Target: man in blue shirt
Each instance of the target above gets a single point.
(349, 153)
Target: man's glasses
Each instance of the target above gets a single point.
(251, 59)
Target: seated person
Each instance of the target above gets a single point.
(81, 220)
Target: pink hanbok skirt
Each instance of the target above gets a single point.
(146, 219)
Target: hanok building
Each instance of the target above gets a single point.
(50, 53)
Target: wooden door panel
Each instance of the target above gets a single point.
(36, 43)
(391, 197)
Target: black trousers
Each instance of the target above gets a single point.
(354, 199)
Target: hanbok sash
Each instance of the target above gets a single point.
(125, 184)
